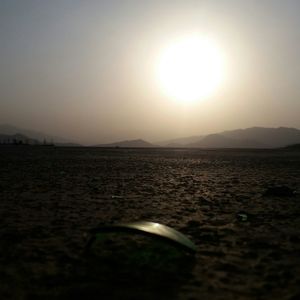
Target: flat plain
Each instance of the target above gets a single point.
(240, 207)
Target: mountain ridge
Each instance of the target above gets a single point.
(252, 137)
(33, 134)
(220, 141)
(137, 143)
(17, 139)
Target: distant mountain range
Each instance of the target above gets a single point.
(17, 139)
(40, 137)
(222, 141)
(255, 137)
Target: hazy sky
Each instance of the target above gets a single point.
(85, 69)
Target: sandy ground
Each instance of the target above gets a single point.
(248, 243)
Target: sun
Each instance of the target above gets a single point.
(191, 69)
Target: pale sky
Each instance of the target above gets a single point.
(86, 70)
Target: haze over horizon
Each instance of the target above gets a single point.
(86, 70)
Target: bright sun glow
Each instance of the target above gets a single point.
(191, 69)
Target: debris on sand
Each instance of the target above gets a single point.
(116, 197)
(279, 191)
(242, 217)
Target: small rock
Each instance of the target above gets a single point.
(242, 217)
(116, 197)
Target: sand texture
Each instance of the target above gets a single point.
(246, 231)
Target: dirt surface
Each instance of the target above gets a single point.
(247, 237)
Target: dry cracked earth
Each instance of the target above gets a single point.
(241, 208)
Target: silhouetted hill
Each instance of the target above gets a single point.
(293, 147)
(255, 137)
(17, 139)
(129, 144)
(220, 141)
(40, 136)
(270, 137)
(180, 142)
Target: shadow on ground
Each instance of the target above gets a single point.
(126, 266)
